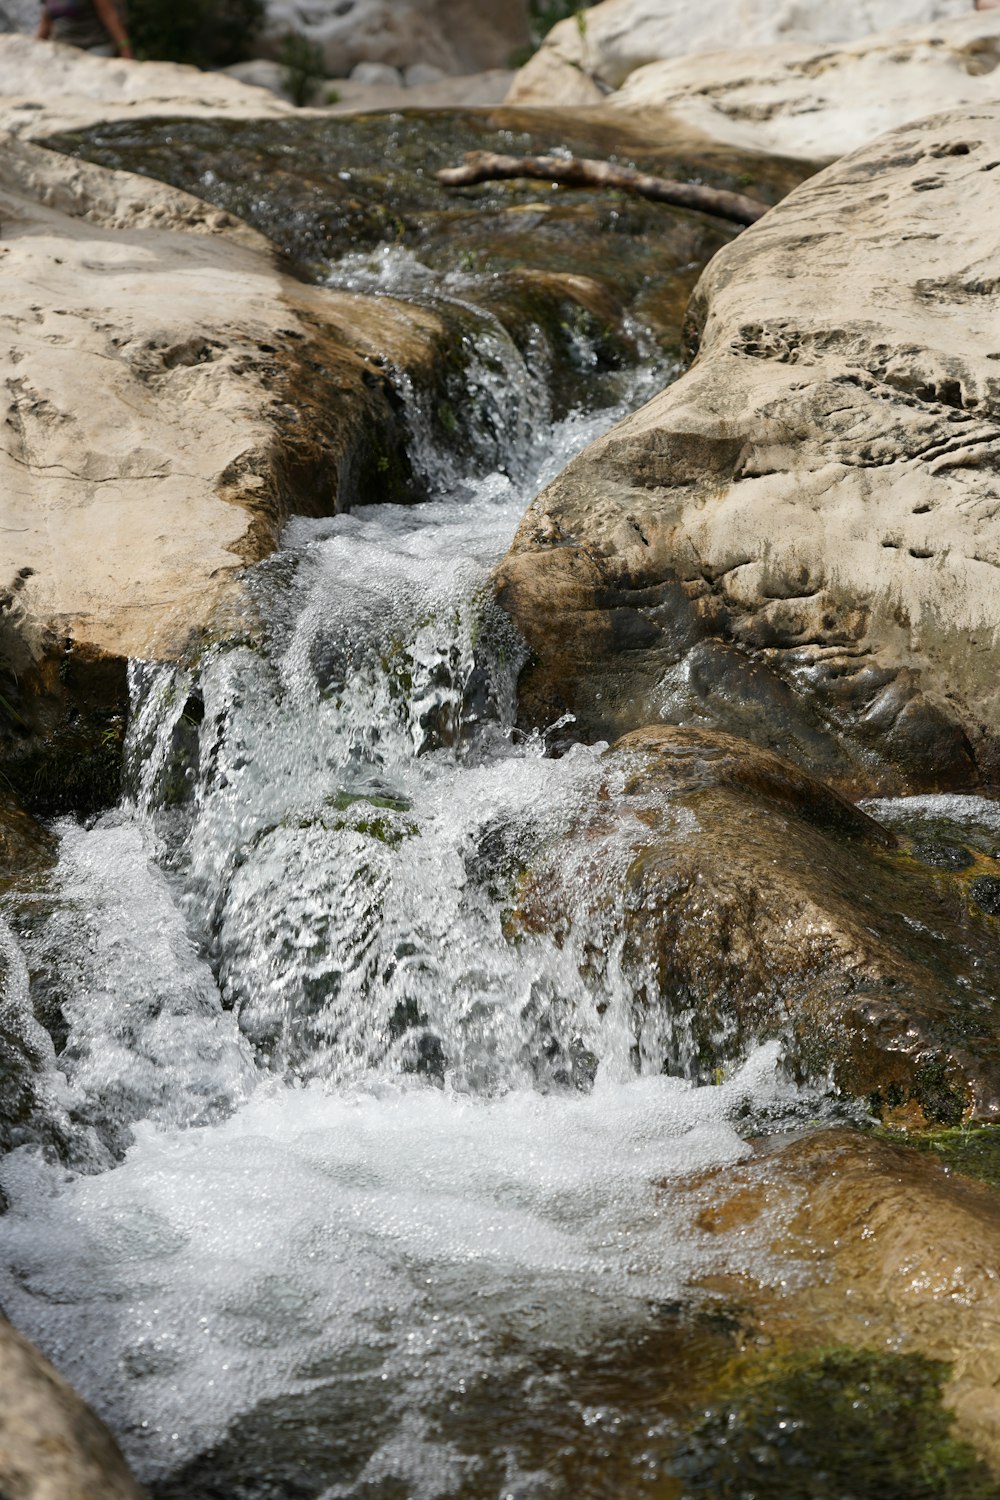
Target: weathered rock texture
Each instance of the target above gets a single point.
(582, 60)
(877, 1247)
(755, 904)
(170, 396)
(797, 541)
(458, 36)
(129, 408)
(819, 104)
(46, 87)
(52, 1446)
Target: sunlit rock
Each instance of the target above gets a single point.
(796, 541)
(52, 1446)
(875, 1247)
(594, 51)
(818, 103)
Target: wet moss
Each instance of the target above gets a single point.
(973, 1150)
(829, 1425)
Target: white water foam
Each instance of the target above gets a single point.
(359, 1152)
(221, 1266)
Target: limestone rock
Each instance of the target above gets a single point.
(45, 87)
(377, 75)
(797, 540)
(611, 40)
(451, 91)
(52, 1446)
(820, 103)
(757, 904)
(154, 444)
(458, 36)
(875, 1246)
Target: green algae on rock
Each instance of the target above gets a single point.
(756, 903)
(873, 1248)
(834, 1423)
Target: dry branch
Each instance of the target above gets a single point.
(579, 171)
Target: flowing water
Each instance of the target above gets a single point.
(348, 1191)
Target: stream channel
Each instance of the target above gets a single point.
(350, 1193)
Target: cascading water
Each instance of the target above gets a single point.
(352, 1193)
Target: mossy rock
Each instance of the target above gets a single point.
(822, 1426)
(756, 903)
(381, 191)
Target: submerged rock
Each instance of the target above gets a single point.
(52, 1446)
(796, 540)
(755, 903)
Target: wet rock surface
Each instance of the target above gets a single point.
(321, 187)
(287, 396)
(876, 1247)
(755, 903)
(795, 541)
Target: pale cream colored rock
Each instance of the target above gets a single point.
(52, 1446)
(139, 451)
(611, 40)
(474, 90)
(798, 540)
(45, 87)
(458, 36)
(818, 104)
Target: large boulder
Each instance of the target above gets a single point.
(52, 1446)
(820, 103)
(154, 444)
(744, 901)
(866, 1244)
(797, 541)
(458, 36)
(46, 87)
(595, 51)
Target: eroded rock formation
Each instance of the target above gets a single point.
(818, 103)
(589, 55)
(797, 540)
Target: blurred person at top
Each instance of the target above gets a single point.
(93, 25)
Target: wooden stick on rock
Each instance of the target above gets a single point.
(579, 171)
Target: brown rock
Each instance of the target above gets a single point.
(871, 1245)
(756, 904)
(52, 1446)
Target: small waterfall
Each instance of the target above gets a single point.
(328, 1149)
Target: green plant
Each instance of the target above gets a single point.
(544, 14)
(303, 63)
(207, 33)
